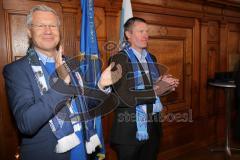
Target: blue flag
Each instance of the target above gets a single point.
(90, 68)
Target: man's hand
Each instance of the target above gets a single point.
(172, 81)
(109, 77)
(60, 67)
(165, 85)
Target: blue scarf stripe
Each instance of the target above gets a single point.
(81, 103)
(141, 113)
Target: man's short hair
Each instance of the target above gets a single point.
(43, 8)
(130, 22)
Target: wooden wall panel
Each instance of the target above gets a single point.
(8, 133)
(233, 52)
(100, 25)
(173, 47)
(171, 53)
(203, 69)
(69, 34)
(112, 30)
(196, 68)
(18, 35)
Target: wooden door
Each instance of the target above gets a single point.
(171, 41)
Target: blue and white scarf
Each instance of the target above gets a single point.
(141, 110)
(65, 125)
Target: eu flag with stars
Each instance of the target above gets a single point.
(90, 68)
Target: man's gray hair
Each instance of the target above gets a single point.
(41, 8)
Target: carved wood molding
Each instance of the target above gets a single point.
(232, 3)
(186, 9)
(213, 31)
(163, 31)
(70, 9)
(54, 1)
(112, 12)
(26, 5)
(69, 33)
(143, 7)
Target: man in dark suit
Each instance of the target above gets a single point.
(33, 101)
(136, 127)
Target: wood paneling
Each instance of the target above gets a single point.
(69, 34)
(233, 52)
(193, 38)
(100, 25)
(18, 35)
(172, 45)
(8, 139)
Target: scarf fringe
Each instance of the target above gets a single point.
(142, 135)
(67, 143)
(100, 156)
(92, 144)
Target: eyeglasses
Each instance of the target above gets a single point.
(44, 26)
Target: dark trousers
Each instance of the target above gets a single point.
(147, 150)
(141, 150)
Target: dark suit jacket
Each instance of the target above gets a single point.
(32, 112)
(124, 125)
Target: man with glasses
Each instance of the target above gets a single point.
(43, 114)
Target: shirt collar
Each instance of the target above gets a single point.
(44, 58)
(140, 56)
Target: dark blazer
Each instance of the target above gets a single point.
(124, 124)
(32, 112)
